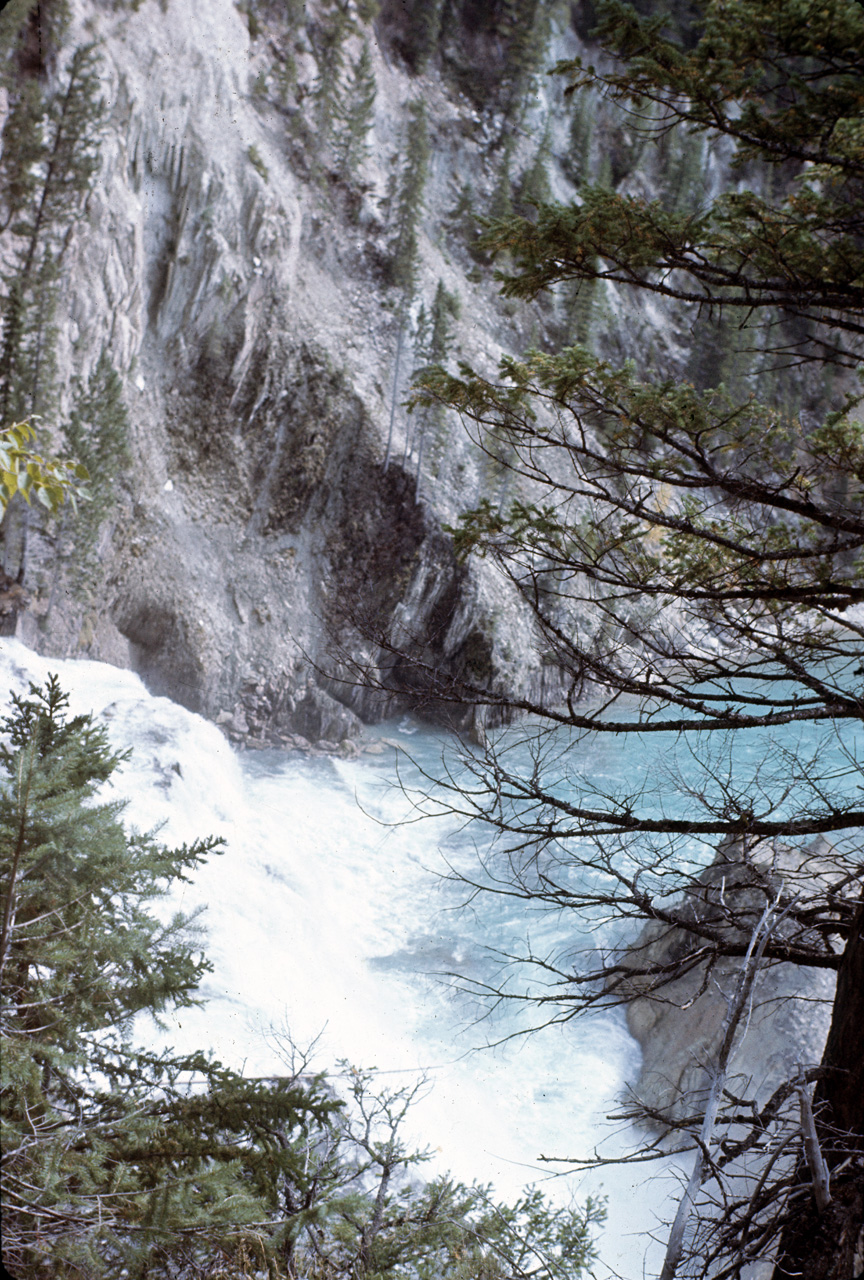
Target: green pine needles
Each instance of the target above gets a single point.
(97, 435)
(81, 953)
(344, 94)
(409, 204)
(355, 115)
(118, 1161)
(50, 156)
(433, 342)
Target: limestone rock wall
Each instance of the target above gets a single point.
(241, 284)
(238, 288)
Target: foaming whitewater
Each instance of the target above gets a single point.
(325, 916)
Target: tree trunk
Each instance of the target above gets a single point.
(829, 1245)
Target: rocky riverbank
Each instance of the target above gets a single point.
(677, 1021)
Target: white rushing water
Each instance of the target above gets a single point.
(325, 914)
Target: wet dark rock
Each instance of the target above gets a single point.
(316, 716)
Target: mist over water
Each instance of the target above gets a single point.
(327, 915)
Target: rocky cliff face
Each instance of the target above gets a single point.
(245, 277)
(244, 260)
(241, 285)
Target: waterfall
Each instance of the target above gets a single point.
(326, 914)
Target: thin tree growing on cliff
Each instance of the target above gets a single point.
(356, 115)
(692, 562)
(50, 157)
(432, 342)
(404, 246)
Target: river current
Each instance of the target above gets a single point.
(327, 916)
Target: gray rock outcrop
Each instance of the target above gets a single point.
(240, 288)
(678, 1024)
(240, 282)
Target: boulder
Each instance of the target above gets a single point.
(317, 716)
(238, 722)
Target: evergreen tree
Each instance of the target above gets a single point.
(464, 222)
(423, 30)
(329, 35)
(408, 202)
(684, 172)
(356, 115)
(80, 955)
(577, 162)
(98, 437)
(50, 155)
(501, 204)
(525, 27)
(50, 146)
(22, 152)
(122, 1162)
(445, 308)
(534, 186)
(112, 1156)
(432, 345)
